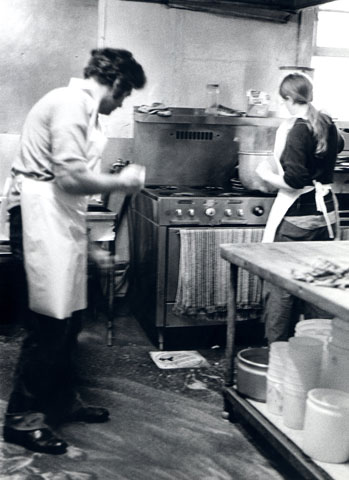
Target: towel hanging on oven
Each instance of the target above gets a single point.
(204, 277)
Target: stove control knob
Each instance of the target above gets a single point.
(258, 211)
(191, 212)
(179, 212)
(210, 212)
(228, 212)
(240, 212)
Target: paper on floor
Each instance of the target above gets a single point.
(179, 359)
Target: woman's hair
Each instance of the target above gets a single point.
(299, 88)
(116, 68)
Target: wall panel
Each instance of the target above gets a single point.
(42, 44)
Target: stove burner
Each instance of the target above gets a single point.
(229, 194)
(208, 188)
(236, 189)
(182, 194)
(161, 187)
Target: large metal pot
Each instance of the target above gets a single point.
(248, 163)
(252, 367)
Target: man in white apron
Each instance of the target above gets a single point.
(52, 176)
(305, 153)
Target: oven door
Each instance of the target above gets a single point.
(249, 281)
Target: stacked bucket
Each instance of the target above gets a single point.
(275, 376)
(320, 328)
(316, 327)
(336, 370)
(302, 373)
(297, 366)
(308, 384)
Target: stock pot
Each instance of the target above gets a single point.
(251, 372)
(248, 163)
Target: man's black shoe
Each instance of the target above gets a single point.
(88, 415)
(40, 440)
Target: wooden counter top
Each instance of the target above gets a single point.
(274, 262)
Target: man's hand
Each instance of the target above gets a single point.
(132, 178)
(102, 258)
(76, 178)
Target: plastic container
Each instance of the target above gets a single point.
(212, 98)
(326, 425)
(293, 407)
(322, 329)
(251, 378)
(337, 369)
(340, 334)
(338, 322)
(275, 395)
(304, 344)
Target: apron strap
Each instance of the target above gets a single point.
(320, 192)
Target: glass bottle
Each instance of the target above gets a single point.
(212, 94)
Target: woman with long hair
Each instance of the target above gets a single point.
(306, 147)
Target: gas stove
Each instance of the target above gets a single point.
(204, 205)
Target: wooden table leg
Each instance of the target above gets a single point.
(231, 319)
(110, 304)
(228, 411)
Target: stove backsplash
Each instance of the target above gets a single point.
(191, 148)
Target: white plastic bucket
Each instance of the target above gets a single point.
(303, 373)
(338, 322)
(275, 395)
(326, 425)
(340, 334)
(293, 408)
(315, 322)
(337, 369)
(305, 345)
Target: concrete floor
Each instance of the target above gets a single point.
(165, 424)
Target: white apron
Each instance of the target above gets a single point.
(55, 241)
(286, 198)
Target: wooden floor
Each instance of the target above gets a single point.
(165, 425)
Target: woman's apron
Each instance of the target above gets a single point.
(55, 240)
(285, 198)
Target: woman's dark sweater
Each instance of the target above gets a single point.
(299, 161)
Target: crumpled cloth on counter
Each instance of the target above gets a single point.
(156, 107)
(204, 276)
(324, 273)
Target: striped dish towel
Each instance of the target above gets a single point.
(204, 277)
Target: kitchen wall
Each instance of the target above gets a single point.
(42, 44)
(183, 50)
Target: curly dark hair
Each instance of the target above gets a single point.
(108, 65)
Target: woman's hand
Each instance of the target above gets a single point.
(264, 170)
